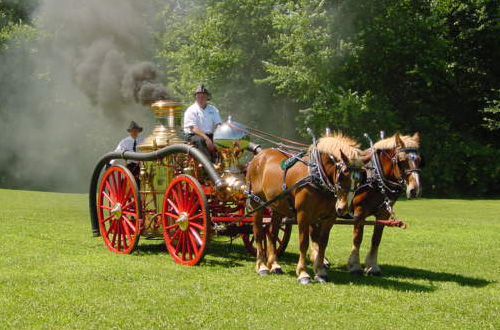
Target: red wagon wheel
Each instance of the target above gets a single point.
(118, 210)
(185, 220)
(285, 230)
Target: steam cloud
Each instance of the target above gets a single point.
(67, 98)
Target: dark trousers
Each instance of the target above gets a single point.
(135, 168)
(200, 144)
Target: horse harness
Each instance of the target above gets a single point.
(378, 181)
(316, 178)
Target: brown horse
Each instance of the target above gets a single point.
(393, 165)
(320, 184)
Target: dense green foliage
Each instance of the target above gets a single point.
(440, 273)
(357, 66)
(13, 15)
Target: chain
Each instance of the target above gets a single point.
(388, 206)
(387, 203)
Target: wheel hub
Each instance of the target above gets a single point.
(117, 211)
(183, 221)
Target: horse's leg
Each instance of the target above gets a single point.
(314, 250)
(371, 263)
(323, 237)
(326, 263)
(303, 276)
(259, 236)
(353, 263)
(272, 258)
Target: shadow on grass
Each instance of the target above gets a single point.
(225, 254)
(423, 274)
(151, 246)
(340, 276)
(222, 253)
(396, 277)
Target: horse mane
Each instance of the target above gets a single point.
(391, 143)
(333, 144)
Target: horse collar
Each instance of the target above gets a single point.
(382, 182)
(318, 176)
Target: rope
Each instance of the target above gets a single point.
(299, 146)
(278, 137)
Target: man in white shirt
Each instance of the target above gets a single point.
(200, 121)
(130, 143)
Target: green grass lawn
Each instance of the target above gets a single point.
(441, 273)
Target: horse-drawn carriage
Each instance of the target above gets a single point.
(180, 194)
(184, 197)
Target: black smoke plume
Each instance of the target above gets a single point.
(68, 93)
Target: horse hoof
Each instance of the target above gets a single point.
(277, 271)
(304, 280)
(356, 273)
(263, 272)
(321, 279)
(371, 272)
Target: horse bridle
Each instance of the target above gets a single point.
(319, 176)
(400, 184)
(413, 156)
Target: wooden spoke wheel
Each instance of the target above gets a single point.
(284, 232)
(185, 220)
(118, 209)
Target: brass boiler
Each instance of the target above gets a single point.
(156, 175)
(231, 144)
(167, 130)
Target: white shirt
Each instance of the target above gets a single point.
(127, 144)
(205, 119)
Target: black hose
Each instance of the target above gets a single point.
(139, 156)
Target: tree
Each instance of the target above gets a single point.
(398, 65)
(357, 66)
(492, 111)
(224, 44)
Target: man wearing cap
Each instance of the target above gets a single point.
(130, 143)
(200, 121)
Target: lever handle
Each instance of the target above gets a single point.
(311, 133)
(369, 139)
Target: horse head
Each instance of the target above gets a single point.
(346, 182)
(340, 161)
(401, 163)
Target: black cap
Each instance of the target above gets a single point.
(201, 89)
(134, 125)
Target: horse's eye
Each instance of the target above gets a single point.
(345, 170)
